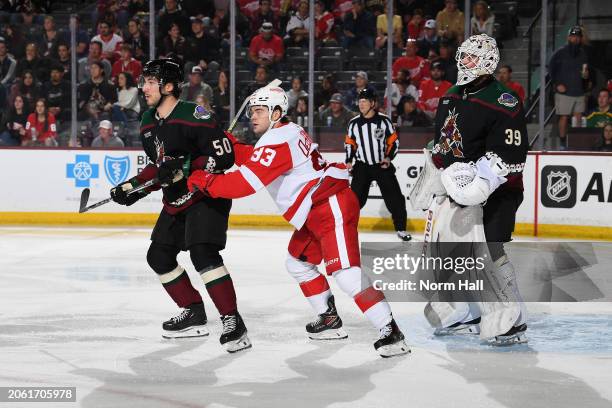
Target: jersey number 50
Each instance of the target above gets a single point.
(263, 155)
(513, 137)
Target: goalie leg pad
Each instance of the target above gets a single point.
(427, 185)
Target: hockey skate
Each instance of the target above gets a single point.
(328, 326)
(191, 322)
(471, 327)
(234, 337)
(404, 235)
(516, 335)
(391, 341)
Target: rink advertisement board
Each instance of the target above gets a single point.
(560, 189)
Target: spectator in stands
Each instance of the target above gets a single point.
(342, 8)
(137, 40)
(431, 90)
(7, 65)
(299, 114)
(324, 23)
(482, 21)
(174, 43)
(126, 63)
(95, 55)
(106, 136)
(138, 7)
(32, 62)
(429, 43)
(57, 93)
(15, 41)
(325, 92)
(266, 48)
(296, 91)
(606, 138)
(29, 27)
(261, 79)
(504, 75)
(359, 27)
(172, 14)
(410, 115)
(109, 40)
(297, 27)
(399, 88)
(195, 86)
(447, 59)
(14, 123)
(82, 39)
(264, 14)
(40, 127)
(381, 30)
(418, 67)
(336, 115)
(49, 39)
(450, 22)
(568, 68)
(601, 116)
(351, 98)
(28, 89)
(221, 100)
(416, 25)
(202, 48)
(96, 96)
(127, 107)
(63, 58)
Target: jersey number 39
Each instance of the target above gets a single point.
(263, 155)
(513, 137)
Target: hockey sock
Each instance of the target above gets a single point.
(220, 288)
(179, 287)
(314, 286)
(370, 301)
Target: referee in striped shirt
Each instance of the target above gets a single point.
(371, 142)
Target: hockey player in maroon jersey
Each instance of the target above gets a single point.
(179, 137)
(475, 173)
(315, 197)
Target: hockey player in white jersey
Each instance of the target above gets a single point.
(314, 196)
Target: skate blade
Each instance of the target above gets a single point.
(194, 331)
(242, 343)
(504, 341)
(337, 334)
(393, 350)
(464, 329)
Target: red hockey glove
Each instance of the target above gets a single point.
(199, 180)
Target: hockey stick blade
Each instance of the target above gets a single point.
(109, 199)
(84, 198)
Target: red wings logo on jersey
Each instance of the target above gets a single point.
(451, 139)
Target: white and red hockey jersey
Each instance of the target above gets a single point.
(285, 161)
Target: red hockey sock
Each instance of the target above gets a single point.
(220, 288)
(179, 287)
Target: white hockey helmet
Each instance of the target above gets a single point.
(272, 98)
(481, 50)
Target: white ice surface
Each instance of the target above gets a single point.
(80, 307)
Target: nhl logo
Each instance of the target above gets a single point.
(559, 186)
(379, 133)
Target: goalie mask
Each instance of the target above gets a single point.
(477, 56)
(272, 98)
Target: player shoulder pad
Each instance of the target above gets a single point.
(147, 117)
(192, 112)
(499, 96)
(453, 90)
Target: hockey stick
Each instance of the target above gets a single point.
(274, 83)
(86, 192)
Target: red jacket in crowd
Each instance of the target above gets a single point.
(42, 131)
(429, 95)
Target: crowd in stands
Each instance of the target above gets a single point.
(112, 44)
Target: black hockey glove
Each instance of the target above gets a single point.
(173, 170)
(120, 195)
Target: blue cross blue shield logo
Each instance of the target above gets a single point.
(82, 170)
(116, 169)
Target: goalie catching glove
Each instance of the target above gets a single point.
(472, 184)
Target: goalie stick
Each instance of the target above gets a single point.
(86, 192)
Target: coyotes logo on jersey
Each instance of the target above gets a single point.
(450, 138)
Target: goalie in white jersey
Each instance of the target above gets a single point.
(315, 197)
